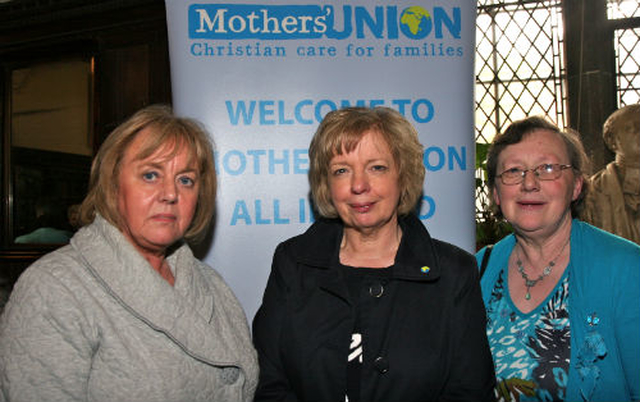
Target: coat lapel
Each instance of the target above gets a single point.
(417, 259)
(319, 247)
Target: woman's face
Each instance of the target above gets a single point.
(535, 206)
(157, 196)
(364, 184)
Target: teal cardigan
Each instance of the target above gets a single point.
(604, 312)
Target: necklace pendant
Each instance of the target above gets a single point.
(529, 283)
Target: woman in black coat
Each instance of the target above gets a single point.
(365, 305)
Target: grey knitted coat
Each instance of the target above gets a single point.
(93, 321)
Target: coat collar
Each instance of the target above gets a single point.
(416, 260)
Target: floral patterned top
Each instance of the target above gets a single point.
(531, 351)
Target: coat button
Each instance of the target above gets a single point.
(376, 290)
(381, 364)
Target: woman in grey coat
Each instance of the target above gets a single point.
(125, 312)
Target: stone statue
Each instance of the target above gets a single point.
(613, 203)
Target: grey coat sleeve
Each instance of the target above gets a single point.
(45, 351)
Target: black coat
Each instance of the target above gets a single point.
(426, 333)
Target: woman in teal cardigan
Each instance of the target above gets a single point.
(562, 297)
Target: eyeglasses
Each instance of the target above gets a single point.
(546, 172)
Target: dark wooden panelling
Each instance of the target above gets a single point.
(128, 40)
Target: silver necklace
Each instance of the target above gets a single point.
(529, 283)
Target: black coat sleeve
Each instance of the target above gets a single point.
(267, 327)
(472, 374)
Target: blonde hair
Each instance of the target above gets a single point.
(164, 129)
(343, 129)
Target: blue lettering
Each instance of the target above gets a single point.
(259, 219)
(430, 205)
(434, 158)
(439, 162)
(241, 109)
(441, 18)
(277, 22)
(303, 206)
(392, 22)
(302, 210)
(256, 153)
(235, 162)
(266, 111)
(241, 163)
(298, 111)
(319, 105)
(276, 214)
(273, 161)
(461, 158)
(281, 118)
(376, 26)
(300, 158)
(240, 212)
(359, 51)
(347, 29)
(401, 103)
(416, 112)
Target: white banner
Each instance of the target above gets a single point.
(261, 75)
